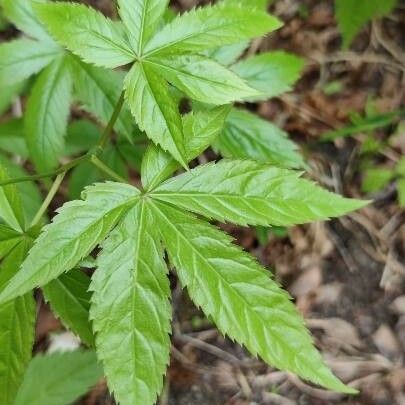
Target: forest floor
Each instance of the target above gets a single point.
(347, 276)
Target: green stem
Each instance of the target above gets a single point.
(54, 189)
(64, 168)
(88, 156)
(110, 126)
(105, 169)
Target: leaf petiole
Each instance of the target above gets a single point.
(54, 189)
(105, 169)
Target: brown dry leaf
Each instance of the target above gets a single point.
(387, 343)
(353, 368)
(338, 332)
(328, 293)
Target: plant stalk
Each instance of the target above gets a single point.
(105, 169)
(88, 156)
(54, 189)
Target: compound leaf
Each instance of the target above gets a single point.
(203, 79)
(21, 14)
(246, 192)
(47, 115)
(21, 58)
(273, 73)
(154, 110)
(200, 130)
(131, 309)
(17, 320)
(59, 378)
(210, 27)
(86, 33)
(246, 136)
(69, 298)
(238, 294)
(73, 234)
(141, 18)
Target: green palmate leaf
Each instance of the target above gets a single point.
(272, 73)
(141, 18)
(154, 109)
(11, 210)
(235, 291)
(73, 234)
(21, 14)
(21, 58)
(202, 79)
(12, 138)
(17, 320)
(210, 27)
(47, 115)
(69, 298)
(131, 310)
(401, 192)
(353, 14)
(59, 378)
(246, 136)
(87, 33)
(200, 130)
(246, 192)
(99, 90)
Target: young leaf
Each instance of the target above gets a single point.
(87, 33)
(17, 320)
(235, 291)
(21, 58)
(154, 109)
(203, 79)
(21, 14)
(59, 378)
(246, 136)
(77, 229)
(141, 18)
(131, 310)
(246, 192)
(11, 210)
(353, 14)
(210, 27)
(69, 298)
(47, 114)
(200, 130)
(273, 73)
(98, 90)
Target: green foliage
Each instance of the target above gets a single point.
(69, 298)
(245, 136)
(272, 73)
(170, 55)
(131, 310)
(59, 378)
(352, 15)
(123, 309)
